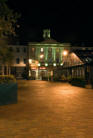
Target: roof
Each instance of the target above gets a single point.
(50, 41)
(85, 55)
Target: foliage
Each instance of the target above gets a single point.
(25, 75)
(8, 20)
(6, 55)
(8, 24)
(63, 78)
(7, 79)
(78, 82)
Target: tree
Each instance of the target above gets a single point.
(6, 57)
(8, 23)
(8, 20)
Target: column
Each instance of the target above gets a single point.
(54, 53)
(37, 53)
(60, 58)
(46, 53)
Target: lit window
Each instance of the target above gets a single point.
(46, 64)
(42, 49)
(61, 64)
(33, 49)
(30, 61)
(41, 56)
(38, 64)
(54, 64)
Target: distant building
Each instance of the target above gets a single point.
(50, 59)
(45, 57)
(79, 63)
(18, 64)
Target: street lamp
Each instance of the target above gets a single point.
(30, 61)
(65, 52)
(41, 56)
(39, 64)
(61, 64)
(46, 64)
(54, 64)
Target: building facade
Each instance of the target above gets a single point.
(46, 57)
(50, 59)
(19, 61)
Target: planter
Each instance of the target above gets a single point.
(78, 82)
(8, 93)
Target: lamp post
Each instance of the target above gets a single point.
(65, 53)
(30, 62)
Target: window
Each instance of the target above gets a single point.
(33, 49)
(24, 50)
(42, 49)
(17, 60)
(10, 49)
(49, 49)
(17, 50)
(24, 60)
(57, 49)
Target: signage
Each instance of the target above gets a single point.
(43, 68)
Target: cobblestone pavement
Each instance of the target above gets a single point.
(48, 110)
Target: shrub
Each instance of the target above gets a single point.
(78, 82)
(7, 79)
(63, 78)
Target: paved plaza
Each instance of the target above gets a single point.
(48, 110)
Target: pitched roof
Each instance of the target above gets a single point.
(85, 55)
(50, 41)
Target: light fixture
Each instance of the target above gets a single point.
(41, 56)
(42, 49)
(61, 64)
(65, 52)
(30, 61)
(39, 64)
(46, 64)
(54, 64)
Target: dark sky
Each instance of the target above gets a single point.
(69, 21)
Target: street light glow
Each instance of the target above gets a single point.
(46, 64)
(54, 64)
(38, 64)
(30, 61)
(41, 56)
(61, 64)
(65, 53)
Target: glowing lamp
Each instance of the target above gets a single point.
(39, 64)
(65, 53)
(46, 64)
(30, 61)
(54, 64)
(41, 56)
(61, 64)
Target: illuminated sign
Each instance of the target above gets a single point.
(42, 68)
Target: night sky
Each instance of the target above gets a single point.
(69, 21)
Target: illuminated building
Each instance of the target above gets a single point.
(48, 54)
(50, 59)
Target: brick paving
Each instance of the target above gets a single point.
(48, 110)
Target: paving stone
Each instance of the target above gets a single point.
(48, 110)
